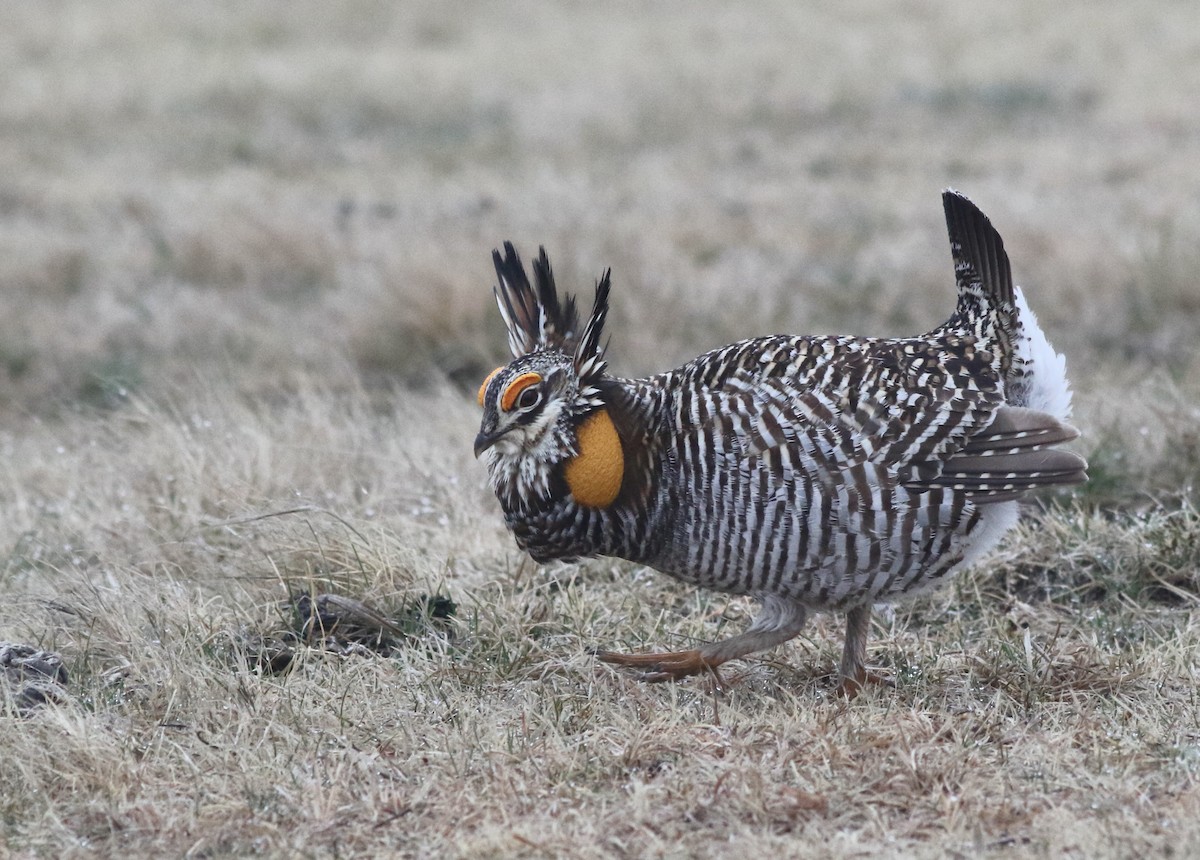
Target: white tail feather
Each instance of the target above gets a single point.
(1040, 380)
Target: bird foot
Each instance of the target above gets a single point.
(665, 666)
(850, 687)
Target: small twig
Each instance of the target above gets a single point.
(305, 509)
(528, 842)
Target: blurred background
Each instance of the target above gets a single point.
(247, 195)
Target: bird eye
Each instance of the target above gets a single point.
(529, 398)
(515, 389)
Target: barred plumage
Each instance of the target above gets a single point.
(828, 472)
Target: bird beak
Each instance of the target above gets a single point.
(486, 440)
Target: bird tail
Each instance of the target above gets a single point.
(990, 306)
(981, 268)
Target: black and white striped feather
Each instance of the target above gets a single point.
(537, 320)
(832, 471)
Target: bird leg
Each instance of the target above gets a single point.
(779, 621)
(853, 671)
(662, 666)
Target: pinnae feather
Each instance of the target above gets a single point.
(537, 319)
(516, 301)
(589, 353)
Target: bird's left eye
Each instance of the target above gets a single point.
(521, 393)
(529, 398)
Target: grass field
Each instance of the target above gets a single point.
(244, 306)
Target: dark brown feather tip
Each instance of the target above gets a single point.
(979, 255)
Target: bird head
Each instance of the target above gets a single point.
(543, 412)
(526, 405)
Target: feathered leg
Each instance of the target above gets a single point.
(853, 669)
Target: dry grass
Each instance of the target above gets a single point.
(244, 274)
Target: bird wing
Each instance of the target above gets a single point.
(931, 413)
(905, 404)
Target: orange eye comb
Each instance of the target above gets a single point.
(483, 388)
(509, 397)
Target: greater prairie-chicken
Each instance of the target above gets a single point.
(826, 472)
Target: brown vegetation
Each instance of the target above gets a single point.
(244, 304)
